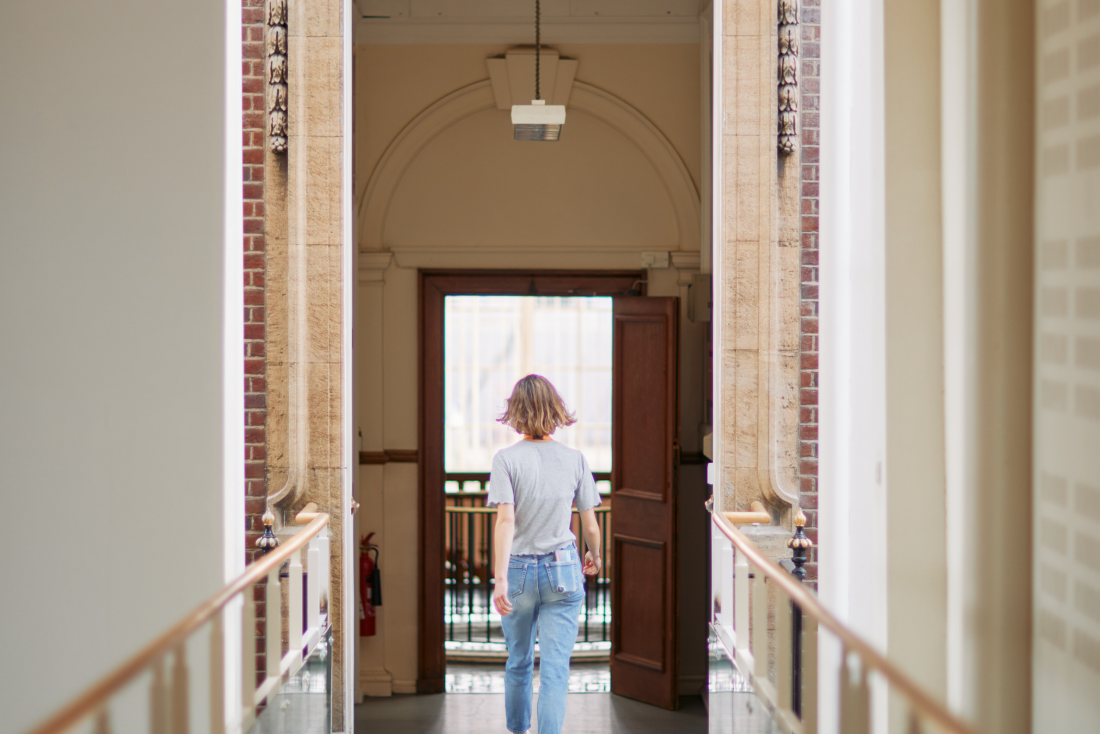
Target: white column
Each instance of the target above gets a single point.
(852, 517)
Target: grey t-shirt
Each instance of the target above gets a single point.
(543, 479)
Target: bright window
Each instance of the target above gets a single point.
(493, 341)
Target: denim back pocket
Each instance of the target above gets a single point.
(563, 576)
(517, 574)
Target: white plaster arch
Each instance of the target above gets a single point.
(456, 106)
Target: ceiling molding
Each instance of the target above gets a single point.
(542, 258)
(513, 77)
(469, 30)
(460, 104)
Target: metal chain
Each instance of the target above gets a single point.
(538, 48)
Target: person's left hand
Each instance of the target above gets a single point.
(592, 564)
(500, 597)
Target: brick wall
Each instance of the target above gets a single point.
(255, 388)
(811, 87)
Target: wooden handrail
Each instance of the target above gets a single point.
(476, 510)
(95, 697)
(483, 476)
(809, 604)
(307, 514)
(756, 515)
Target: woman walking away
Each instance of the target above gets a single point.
(534, 485)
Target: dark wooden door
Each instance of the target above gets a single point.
(435, 286)
(643, 517)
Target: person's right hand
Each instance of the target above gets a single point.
(500, 597)
(592, 564)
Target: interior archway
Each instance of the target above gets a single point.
(486, 190)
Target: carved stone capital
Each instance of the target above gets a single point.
(277, 74)
(787, 76)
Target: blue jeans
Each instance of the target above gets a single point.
(546, 596)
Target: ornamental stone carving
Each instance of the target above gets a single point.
(277, 74)
(787, 76)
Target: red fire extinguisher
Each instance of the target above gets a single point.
(370, 585)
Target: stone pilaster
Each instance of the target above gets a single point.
(305, 295)
(757, 275)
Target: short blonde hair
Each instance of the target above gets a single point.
(535, 408)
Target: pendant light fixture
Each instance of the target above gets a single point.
(538, 120)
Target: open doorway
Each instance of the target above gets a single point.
(635, 608)
(489, 343)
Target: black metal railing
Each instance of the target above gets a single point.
(469, 616)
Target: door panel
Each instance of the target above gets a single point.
(641, 427)
(643, 479)
(639, 566)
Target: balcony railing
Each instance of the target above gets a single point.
(304, 621)
(471, 624)
(745, 584)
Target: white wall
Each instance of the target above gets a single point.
(112, 183)
(1066, 637)
(852, 444)
(925, 346)
(882, 534)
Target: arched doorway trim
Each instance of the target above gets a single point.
(460, 104)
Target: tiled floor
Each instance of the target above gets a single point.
(583, 678)
(483, 713)
(475, 705)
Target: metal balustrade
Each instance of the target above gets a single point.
(470, 621)
(165, 658)
(779, 656)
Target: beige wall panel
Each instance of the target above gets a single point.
(485, 189)
(401, 357)
(661, 81)
(1066, 603)
(369, 387)
(374, 680)
(914, 467)
(401, 601)
(395, 83)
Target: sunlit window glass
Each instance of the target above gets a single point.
(493, 341)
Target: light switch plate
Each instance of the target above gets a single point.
(654, 259)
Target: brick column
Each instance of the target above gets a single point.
(255, 388)
(807, 421)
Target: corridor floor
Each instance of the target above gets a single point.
(483, 713)
(476, 706)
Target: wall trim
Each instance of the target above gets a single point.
(460, 104)
(390, 31)
(389, 456)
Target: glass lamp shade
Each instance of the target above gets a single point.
(538, 121)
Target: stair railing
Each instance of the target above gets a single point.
(743, 578)
(169, 694)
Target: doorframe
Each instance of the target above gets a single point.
(434, 286)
